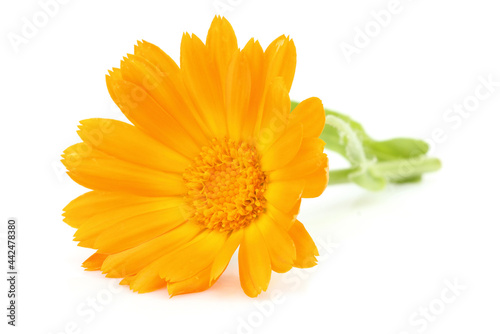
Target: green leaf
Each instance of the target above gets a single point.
(369, 181)
(332, 137)
(397, 148)
(413, 179)
(348, 140)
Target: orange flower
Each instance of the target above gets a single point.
(214, 160)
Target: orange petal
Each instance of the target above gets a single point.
(311, 114)
(148, 275)
(279, 244)
(284, 219)
(128, 143)
(273, 115)
(129, 207)
(316, 182)
(284, 195)
(96, 170)
(197, 283)
(283, 150)
(306, 249)
(136, 230)
(149, 116)
(94, 262)
(79, 210)
(308, 160)
(133, 260)
(221, 45)
(203, 82)
(280, 60)
(237, 90)
(167, 89)
(208, 276)
(127, 280)
(189, 260)
(146, 280)
(224, 256)
(255, 55)
(254, 262)
(160, 60)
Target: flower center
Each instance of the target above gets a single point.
(226, 185)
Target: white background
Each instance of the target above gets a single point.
(385, 257)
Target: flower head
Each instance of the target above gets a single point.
(213, 160)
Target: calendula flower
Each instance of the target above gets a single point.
(214, 161)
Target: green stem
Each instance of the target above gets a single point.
(339, 176)
(398, 170)
(395, 171)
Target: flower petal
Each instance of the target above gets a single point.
(280, 60)
(126, 142)
(283, 150)
(255, 55)
(107, 220)
(317, 182)
(221, 45)
(96, 170)
(198, 283)
(284, 195)
(144, 112)
(202, 79)
(152, 272)
(164, 85)
(279, 244)
(311, 114)
(306, 249)
(237, 90)
(222, 259)
(284, 219)
(189, 260)
(254, 262)
(208, 276)
(272, 118)
(308, 160)
(310, 164)
(94, 262)
(79, 210)
(160, 60)
(146, 280)
(136, 230)
(131, 261)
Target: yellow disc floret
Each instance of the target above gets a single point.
(226, 185)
